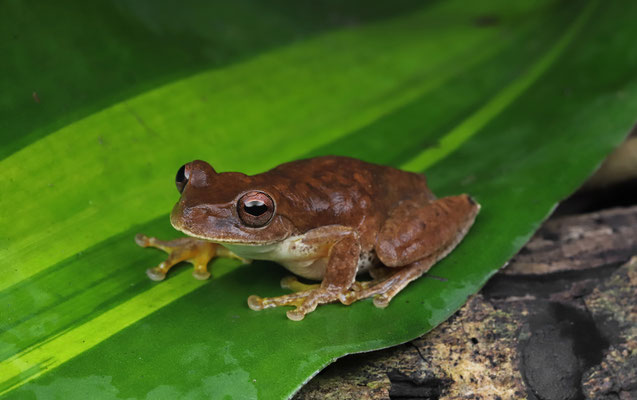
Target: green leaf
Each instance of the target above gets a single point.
(515, 103)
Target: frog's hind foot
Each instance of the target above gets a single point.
(195, 251)
(304, 302)
(385, 288)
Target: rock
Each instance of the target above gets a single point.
(559, 323)
(579, 242)
(473, 355)
(614, 308)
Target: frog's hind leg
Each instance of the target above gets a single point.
(195, 251)
(416, 237)
(385, 290)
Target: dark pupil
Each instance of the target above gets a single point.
(180, 179)
(181, 174)
(255, 207)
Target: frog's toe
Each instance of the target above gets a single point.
(255, 303)
(356, 292)
(156, 274)
(142, 240)
(201, 275)
(381, 301)
(258, 303)
(295, 315)
(348, 297)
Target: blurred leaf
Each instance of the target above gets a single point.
(515, 103)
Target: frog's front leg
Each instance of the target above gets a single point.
(339, 276)
(195, 251)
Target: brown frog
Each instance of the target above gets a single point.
(326, 219)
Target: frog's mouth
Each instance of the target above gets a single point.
(235, 239)
(227, 241)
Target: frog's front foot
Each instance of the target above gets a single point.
(195, 251)
(304, 301)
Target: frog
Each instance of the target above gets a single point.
(329, 220)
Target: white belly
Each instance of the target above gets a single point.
(307, 261)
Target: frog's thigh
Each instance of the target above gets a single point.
(417, 229)
(441, 225)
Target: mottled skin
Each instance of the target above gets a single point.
(325, 218)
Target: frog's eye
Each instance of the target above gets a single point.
(255, 209)
(183, 174)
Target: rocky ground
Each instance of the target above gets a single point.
(560, 322)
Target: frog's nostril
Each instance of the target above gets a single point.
(182, 178)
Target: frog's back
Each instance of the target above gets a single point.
(343, 189)
(340, 172)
